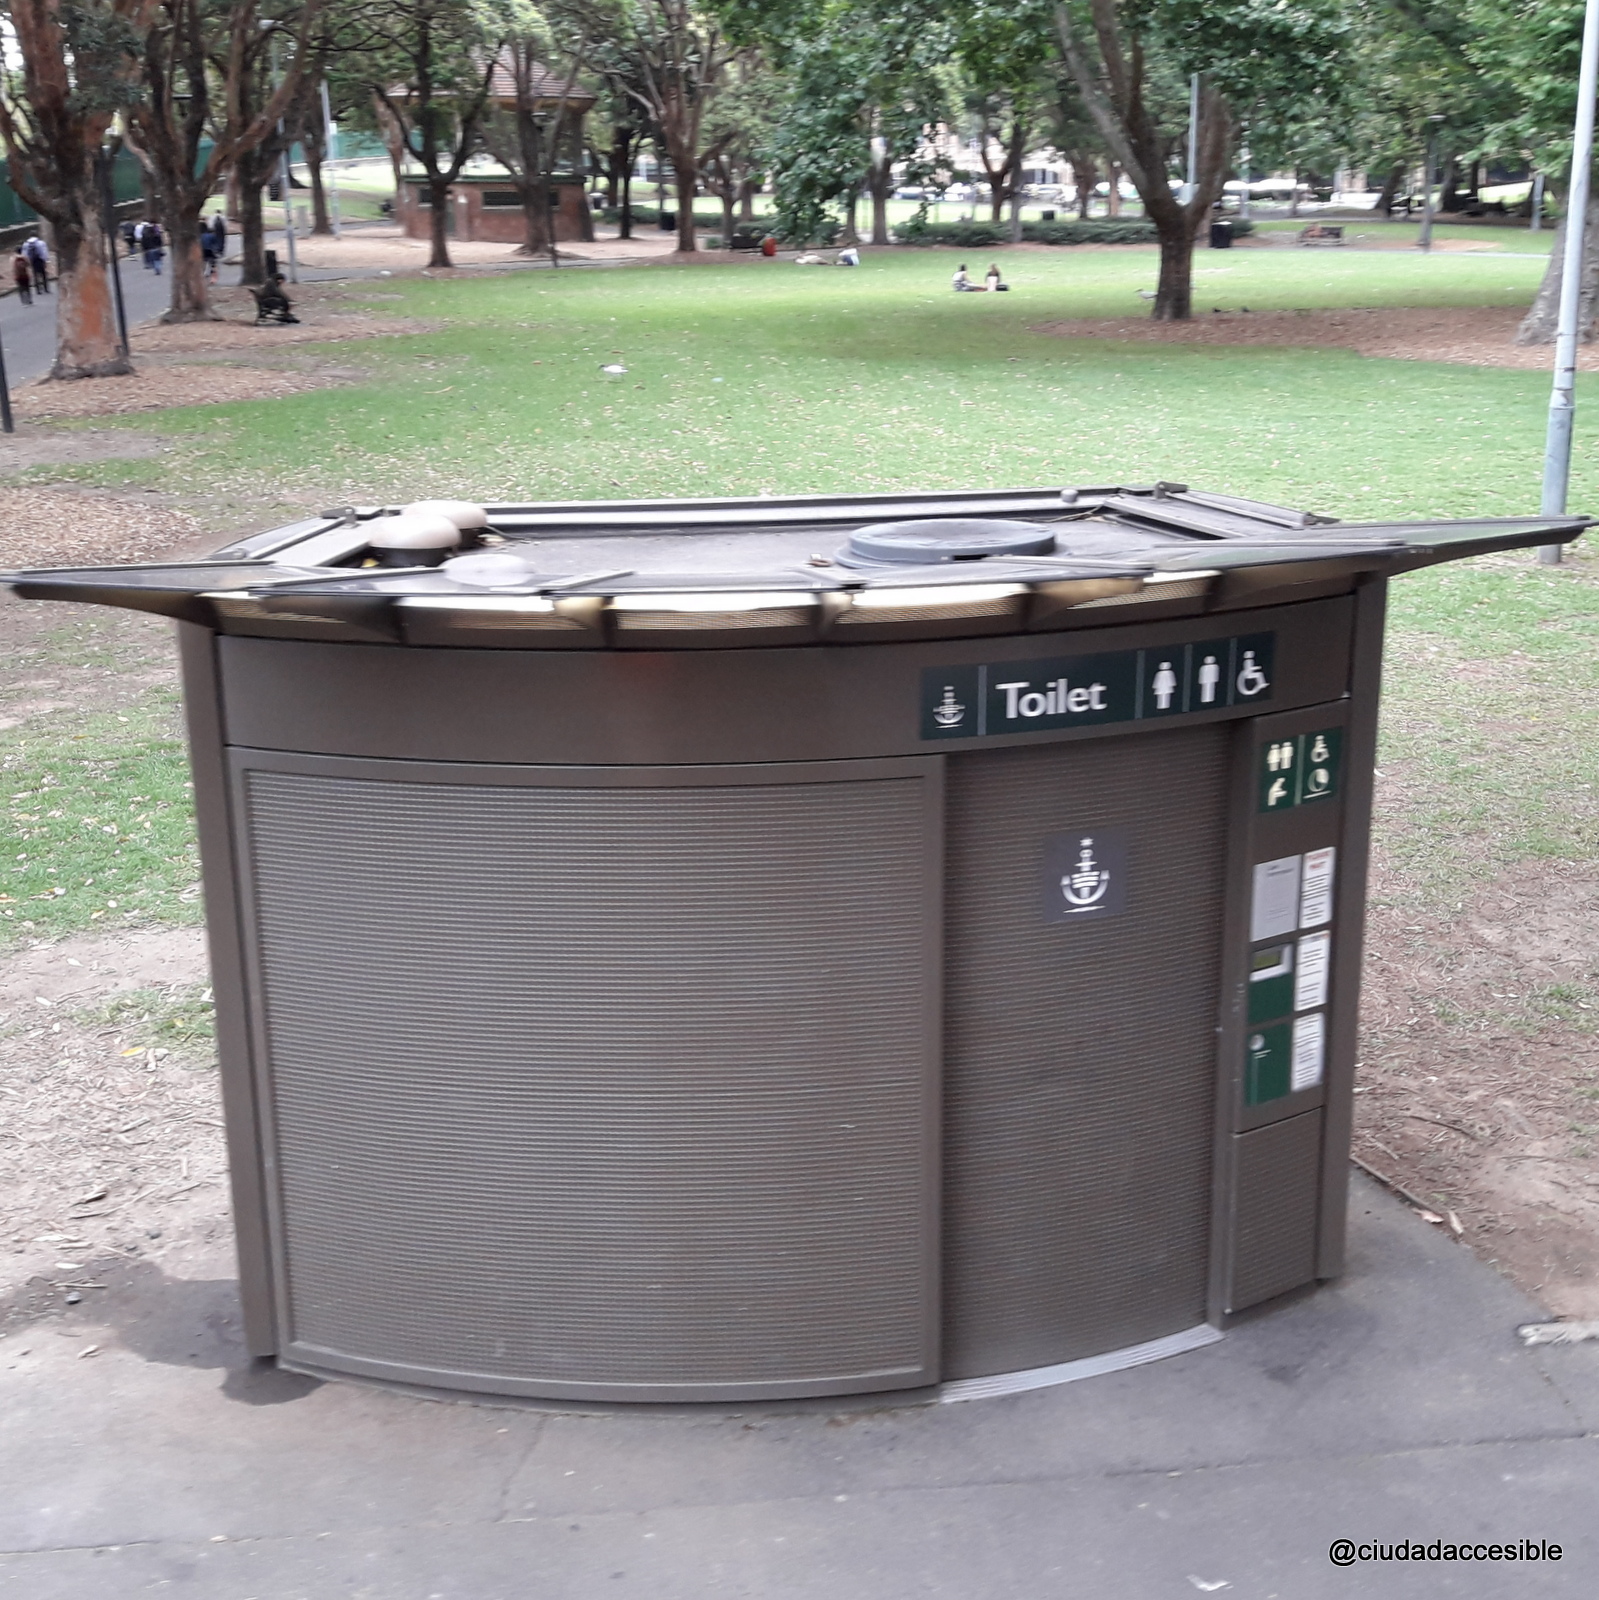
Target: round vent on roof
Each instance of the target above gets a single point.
(926, 539)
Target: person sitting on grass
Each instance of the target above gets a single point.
(992, 282)
(849, 256)
(960, 283)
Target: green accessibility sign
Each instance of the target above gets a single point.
(970, 702)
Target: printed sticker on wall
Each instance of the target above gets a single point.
(1310, 983)
(1274, 905)
(1085, 874)
(1310, 1050)
(1316, 892)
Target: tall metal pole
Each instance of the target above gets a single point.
(109, 210)
(330, 141)
(6, 424)
(283, 179)
(1563, 400)
(1192, 186)
(1424, 239)
(1243, 198)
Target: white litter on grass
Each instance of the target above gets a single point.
(615, 369)
(1208, 1585)
(1557, 1332)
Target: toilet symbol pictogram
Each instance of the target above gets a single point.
(1251, 680)
(1209, 678)
(949, 712)
(1164, 685)
(1085, 886)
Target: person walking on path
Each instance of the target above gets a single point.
(153, 250)
(22, 276)
(38, 254)
(219, 243)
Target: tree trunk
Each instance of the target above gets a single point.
(683, 171)
(879, 213)
(746, 200)
(1390, 187)
(996, 196)
(320, 220)
(189, 302)
(848, 234)
(438, 221)
(1016, 214)
(729, 206)
(1113, 204)
(1449, 187)
(624, 223)
(1540, 324)
(1084, 175)
(252, 230)
(87, 343)
(1174, 294)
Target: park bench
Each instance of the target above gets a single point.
(271, 303)
(1322, 233)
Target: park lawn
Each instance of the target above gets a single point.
(1364, 229)
(753, 376)
(757, 377)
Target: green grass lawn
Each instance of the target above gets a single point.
(754, 377)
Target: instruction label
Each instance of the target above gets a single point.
(1274, 905)
(1310, 982)
(1310, 1052)
(1057, 692)
(1316, 889)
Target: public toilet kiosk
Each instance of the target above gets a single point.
(723, 950)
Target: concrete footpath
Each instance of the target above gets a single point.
(1396, 1404)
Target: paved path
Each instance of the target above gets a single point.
(1396, 1404)
(29, 331)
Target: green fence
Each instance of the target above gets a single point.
(125, 185)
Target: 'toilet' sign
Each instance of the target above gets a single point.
(1122, 686)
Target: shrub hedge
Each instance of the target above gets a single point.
(1068, 230)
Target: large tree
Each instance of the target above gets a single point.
(863, 89)
(431, 65)
(679, 56)
(198, 67)
(1533, 48)
(537, 71)
(1269, 54)
(79, 66)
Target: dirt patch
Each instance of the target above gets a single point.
(28, 448)
(1479, 1082)
(324, 314)
(387, 248)
(153, 388)
(48, 527)
(111, 1134)
(1479, 337)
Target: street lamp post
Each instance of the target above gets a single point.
(1563, 400)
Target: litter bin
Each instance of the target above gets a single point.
(1221, 234)
(720, 949)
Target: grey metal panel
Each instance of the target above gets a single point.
(1278, 1179)
(214, 824)
(1080, 1058)
(818, 703)
(586, 1088)
(1360, 761)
